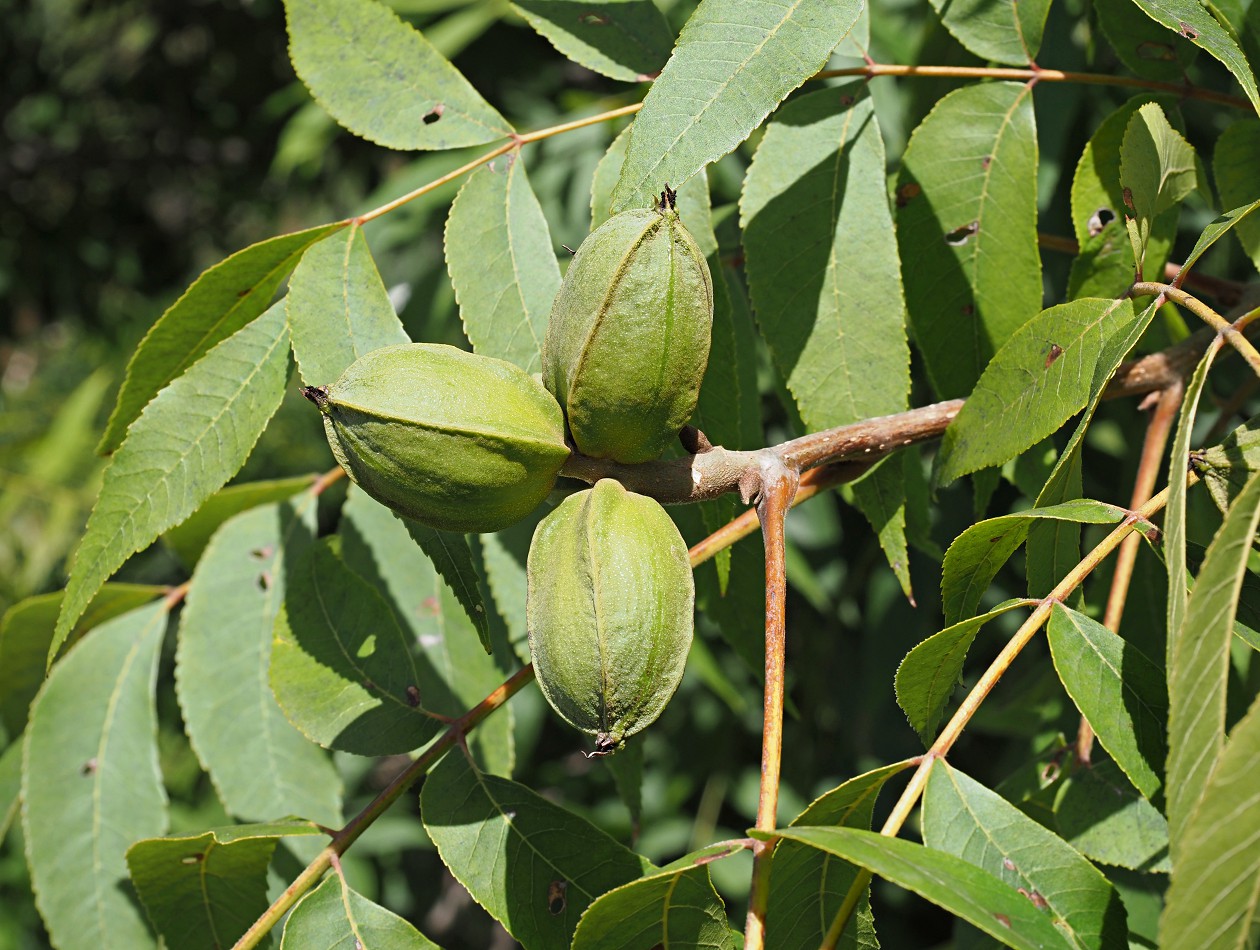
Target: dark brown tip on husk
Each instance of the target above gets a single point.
(317, 395)
(668, 199)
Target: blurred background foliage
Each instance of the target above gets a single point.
(144, 141)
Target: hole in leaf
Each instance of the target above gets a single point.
(1099, 220)
(1186, 30)
(556, 900)
(262, 553)
(89, 767)
(264, 581)
(433, 114)
(960, 236)
(192, 859)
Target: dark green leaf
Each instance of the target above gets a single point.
(1199, 670)
(675, 907)
(341, 668)
(1213, 898)
(607, 171)
(452, 558)
(533, 865)
(382, 80)
(967, 228)
(204, 890)
(1038, 380)
(454, 672)
(807, 886)
(1143, 45)
(930, 672)
(27, 631)
(1196, 24)
(735, 61)
(1225, 468)
(960, 887)
(881, 496)
(978, 553)
(189, 540)
(334, 916)
(1007, 32)
(1104, 817)
(822, 259)
(338, 308)
(1236, 161)
(1117, 689)
(193, 437)
(221, 301)
(10, 784)
(261, 765)
(503, 268)
(962, 817)
(622, 39)
(91, 784)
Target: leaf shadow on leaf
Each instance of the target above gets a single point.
(631, 33)
(796, 211)
(435, 690)
(956, 347)
(1101, 814)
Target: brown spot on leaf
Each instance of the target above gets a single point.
(1186, 30)
(847, 101)
(262, 553)
(594, 19)
(986, 162)
(1002, 919)
(968, 309)
(907, 193)
(1008, 864)
(413, 697)
(264, 581)
(433, 114)
(1128, 199)
(556, 900)
(960, 236)
(89, 767)
(431, 605)
(1053, 354)
(1037, 900)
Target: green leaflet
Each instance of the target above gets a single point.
(963, 818)
(1158, 169)
(533, 865)
(928, 675)
(978, 553)
(734, 62)
(260, 764)
(451, 557)
(189, 539)
(1212, 900)
(221, 301)
(335, 915)
(1196, 24)
(676, 906)
(960, 887)
(1199, 668)
(1236, 162)
(382, 80)
(186, 444)
(26, 631)
(1118, 689)
(341, 668)
(808, 885)
(966, 227)
(622, 39)
(1039, 379)
(1005, 32)
(822, 259)
(454, 672)
(91, 784)
(203, 890)
(338, 309)
(501, 262)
